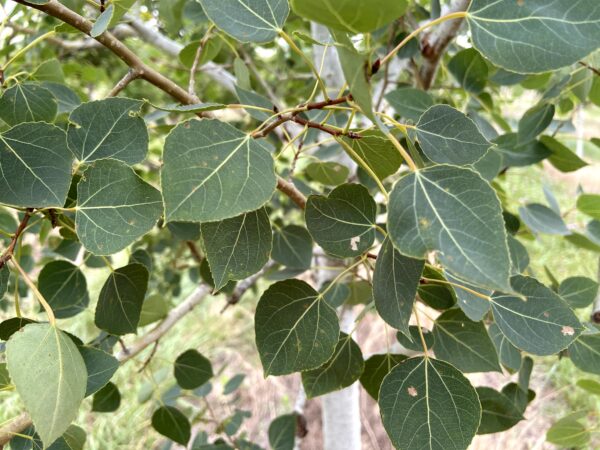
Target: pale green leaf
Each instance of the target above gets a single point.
(377, 152)
(27, 102)
(589, 204)
(103, 21)
(471, 304)
(328, 173)
(569, 432)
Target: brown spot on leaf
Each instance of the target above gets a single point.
(412, 391)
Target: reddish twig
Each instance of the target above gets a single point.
(8, 254)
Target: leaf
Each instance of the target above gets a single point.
(115, 207)
(36, 166)
(569, 432)
(107, 399)
(414, 343)
(282, 432)
(510, 356)
(27, 102)
(344, 368)
(185, 231)
(248, 20)
(10, 326)
(498, 413)
(518, 255)
(409, 103)
(585, 353)
(64, 287)
(337, 295)
(43, 352)
(538, 321)
(474, 306)
(470, 69)
(578, 292)
(4, 274)
(171, 423)
(292, 247)
(194, 108)
(534, 122)
(100, 368)
(448, 136)
(541, 219)
(427, 403)
(464, 344)
(213, 171)
(102, 22)
(66, 98)
(110, 128)
(249, 97)
(327, 173)
(591, 386)
(239, 247)
(516, 154)
(589, 204)
(352, 16)
(192, 369)
(438, 296)
(453, 211)
(233, 383)
(534, 36)
(377, 152)
(562, 157)
(376, 368)
(343, 223)
(121, 298)
(295, 328)
(154, 308)
(395, 281)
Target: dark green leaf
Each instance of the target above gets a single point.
(27, 102)
(66, 98)
(171, 423)
(518, 255)
(336, 295)
(100, 368)
(413, 342)
(409, 103)
(585, 353)
(498, 412)
(292, 247)
(376, 368)
(562, 157)
(438, 296)
(233, 383)
(541, 219)
(517, 155)
(192, 370)
(282, 432)
(4, 274)
(11, 326)
(107, 399)
(510, 356)
(64, 287)
(470, 69)
(534, 122)
(578, 292)
(474, 306)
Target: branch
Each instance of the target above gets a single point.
(131, 75)
(8, 254)
(292, 192)
(593, 69)
(17, 425)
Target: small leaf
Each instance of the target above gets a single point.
(292, 247)
(233, 383)
(585, 353)
(498, 413)
(591, 386)
(589, 204)
(100, 368)
(115, 207)
(239, 247)
(539, 322)
(36, 166)
(107, 399)
(448, 136)
(518, 255)
(377, 152)
(198, 157)
(171, 423)
(102, 22)
(569, 432)
(249, 97)
(11, 326)
(535, 121)
(43, 352)
(427, 403)
(192, 370)
(455, 212)
(295, 328)
(27, 102)
(474, 306)
(110, 128)
(344, 368)
(541, 219)
(510, 356)
(376, 368)
(344, 222)
(516, 154)
(327, 173)
(413, 340)
(64, 287)
(121, 298)
(395, 281)
(282, 432)
(562, 157)
(409, 103)
(464, 344)
(154, 308)
(578, 292)
(470, 69)
(248, 21)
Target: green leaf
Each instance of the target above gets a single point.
(448, 136)
(328, 173)
(155, 308)
(249, 97)
(121, 298)
(438, 296)
(409, 103)
(413, 340)
(472, 305)
(115, 207)
(107, 399)
(43, 352)
(295, 328)
(282, 432)
(376, 368)
(212, 171)
(337, 295)
(11, 326)
(344, 368)
(591, 386)
(464, 344)
(589, 204)
(569, 432)
(498, 412)
(518, 255)
(470, 69)
(585, 353)
(192, 370)
(516, 154)
(64, 287)
(233, 383)
(66, 97)
(121, 8)
(541, 219)
(344, 222)
(395, 281)
(292, 247)
(535, 121)
(352, 16)
(100, 368)
(427, 403)
(185, 231)
(538, 321)
(110, 128)
(453, 211)
(562, 157)
(36, 166)
(534, 36)
(211, 48)
(4, 274)
(248, 20)
(578, 292)
(171, 423)
(102, 22)
(27, 102)
(510, 356)
(377, 152)
(239, 247)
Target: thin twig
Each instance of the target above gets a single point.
(292, 192)
(196, 64)
(194, 251)
(131, 75)
(593, 69)
(8, 253)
